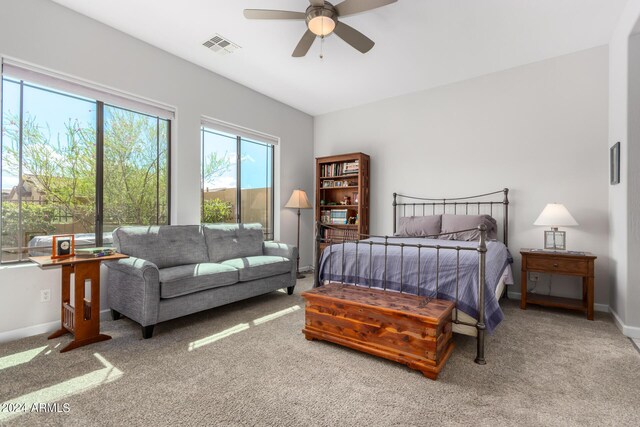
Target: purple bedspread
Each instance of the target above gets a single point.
(459, 267)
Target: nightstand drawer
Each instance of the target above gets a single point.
(558, 265)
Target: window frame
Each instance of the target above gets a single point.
(99, 158)
(238, 214)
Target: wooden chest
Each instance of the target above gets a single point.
(409, 329)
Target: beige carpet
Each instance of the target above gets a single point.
(248, 364)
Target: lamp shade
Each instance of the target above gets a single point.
(555, 215)
(298, 200)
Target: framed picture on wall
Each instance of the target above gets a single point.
(614, 163)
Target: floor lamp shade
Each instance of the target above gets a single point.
(298, 200)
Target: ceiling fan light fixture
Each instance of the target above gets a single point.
(321, 21)
(321, 25)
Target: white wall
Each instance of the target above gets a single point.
(633, 187)
(51, 36)
(537, 129)
(624, 205)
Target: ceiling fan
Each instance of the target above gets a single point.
(322, 19)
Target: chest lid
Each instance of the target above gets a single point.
(431, 310)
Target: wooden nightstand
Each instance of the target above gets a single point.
(570, 264)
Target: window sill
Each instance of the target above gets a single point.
(17, 264)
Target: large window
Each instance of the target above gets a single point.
(75, 165)
(237, 180)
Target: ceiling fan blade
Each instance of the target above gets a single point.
(272, 14)
(354, 37)
(304, 45)
(316, 2)
(350, 7)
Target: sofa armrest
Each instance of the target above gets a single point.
(287, 251)
(134, 289)
(280, 249)
(134, 266)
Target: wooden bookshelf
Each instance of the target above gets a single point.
(333, 185)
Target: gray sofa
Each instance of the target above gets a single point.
(175, 270)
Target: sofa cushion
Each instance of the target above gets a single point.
(259, 267)
(229, 241)
(186, 279)
(164, 245)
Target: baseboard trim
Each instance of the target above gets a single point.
(42, 328)
(629, 331)
(597, 307)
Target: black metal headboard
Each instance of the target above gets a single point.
(472, 205)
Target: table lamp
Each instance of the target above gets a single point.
(298, 200)
(555, 215)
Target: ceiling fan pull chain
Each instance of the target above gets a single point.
(321, 47)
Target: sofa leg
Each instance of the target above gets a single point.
(290, 290)
(147, 331)
(115, 315)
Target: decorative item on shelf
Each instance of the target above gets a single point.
(355, 198)
(64, 246)
(614, 163)
(346, 200)
(323, 202)
(325, 216)
(352, 220)
(298, 200)
(555, 215)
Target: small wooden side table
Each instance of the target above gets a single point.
(82, 319)
(563, 263)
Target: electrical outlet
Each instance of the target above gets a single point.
(534, 277)
(45, 295)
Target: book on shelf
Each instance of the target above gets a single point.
(95, 252)
(351, 168)
(340, 235)
(328, 170)
(339, 216)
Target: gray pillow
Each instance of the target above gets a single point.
(164, 245)
(452, 223)
(419, 226)
(230, 241)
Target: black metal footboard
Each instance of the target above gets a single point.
(462, 205)
(391, 241)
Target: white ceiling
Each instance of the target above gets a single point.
(420, 44)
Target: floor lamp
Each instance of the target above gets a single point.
(298, 200)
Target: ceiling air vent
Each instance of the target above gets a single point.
(220, 45)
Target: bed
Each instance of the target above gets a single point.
(471, 273)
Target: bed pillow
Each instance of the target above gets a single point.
(419, 226)
(452, 223)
